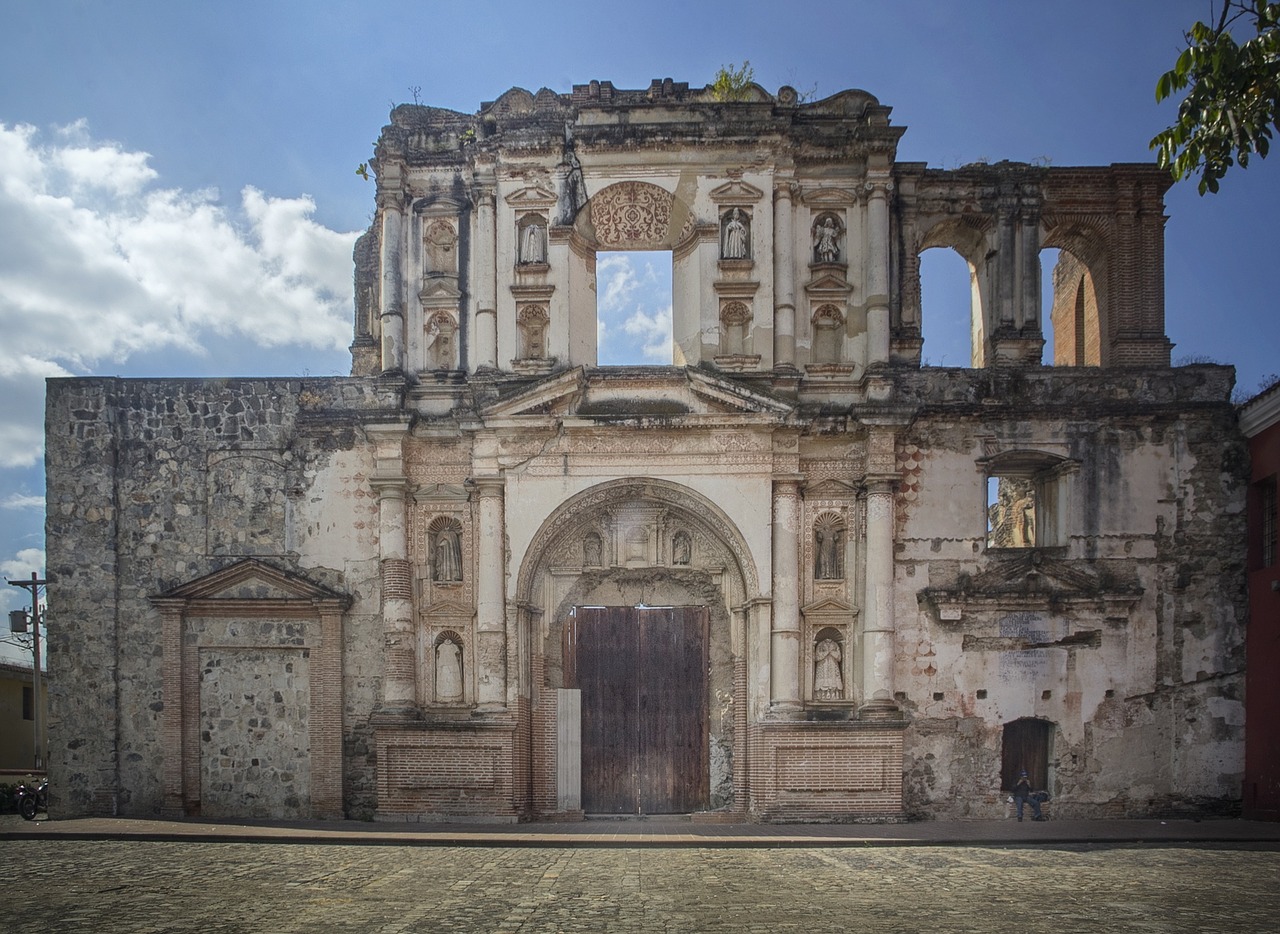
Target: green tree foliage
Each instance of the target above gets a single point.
(1233, 94)
(733, 84)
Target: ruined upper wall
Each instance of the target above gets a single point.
(666, 113)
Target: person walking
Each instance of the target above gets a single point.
(1022, 794)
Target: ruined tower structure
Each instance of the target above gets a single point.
(794, 575)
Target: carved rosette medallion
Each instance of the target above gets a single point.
(635, 215)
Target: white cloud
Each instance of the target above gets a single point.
(23, 564)
(97, 264)
(633, 308)
(654, 333)
(22, 501)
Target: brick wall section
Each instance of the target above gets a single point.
(443, 771)
(826, 771)
(543, 751)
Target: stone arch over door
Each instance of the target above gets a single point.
(660, 544)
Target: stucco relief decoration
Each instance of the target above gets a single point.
(441, 331)
(440, 243)
(532, 323)
(634, 215)
(448, 668)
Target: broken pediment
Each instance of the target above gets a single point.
(623, 393)
(532, 196)
(828, 608)
(1031, 579)
(828, 286)
(251, 580)
(736, 192)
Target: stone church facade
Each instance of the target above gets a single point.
(796, 575)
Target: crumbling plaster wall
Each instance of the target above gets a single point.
(132, 513)
(1129, 636)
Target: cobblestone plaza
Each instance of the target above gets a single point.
(108, 886)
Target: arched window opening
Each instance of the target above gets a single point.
(1074, 304)
(949, 309)
(633, 308)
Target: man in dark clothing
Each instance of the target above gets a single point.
(1022, 794)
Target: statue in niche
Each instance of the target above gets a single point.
(828, 681)
(827, 563)
(591, 551)
(533, 245)
(826, 242)
(681, 549)
(448, 672)
(448, 558)
(736, 243)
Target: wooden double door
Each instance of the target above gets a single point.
(643, 676)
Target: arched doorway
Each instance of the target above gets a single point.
(635, 593)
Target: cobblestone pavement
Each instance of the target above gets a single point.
(109, 886)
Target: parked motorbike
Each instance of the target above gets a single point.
(32, 798)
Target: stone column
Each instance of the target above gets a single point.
(784, 662)
(878, 270)
(784, 286)
(485, 271)
(399, 691)
(392, 304)
(1007, 245)
(1029, 251)
(491, 652)
(877, 615)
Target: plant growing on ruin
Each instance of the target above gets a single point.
(733, 84)
(1233, 96)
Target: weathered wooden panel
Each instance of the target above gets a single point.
(643, 677)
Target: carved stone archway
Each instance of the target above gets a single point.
(652, 542)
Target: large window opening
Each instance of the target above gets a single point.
(633, 309)
(1071, 310)
(947, 299)
(1026, 500)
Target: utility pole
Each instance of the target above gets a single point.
(37, 705)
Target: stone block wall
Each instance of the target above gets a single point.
(152, 483)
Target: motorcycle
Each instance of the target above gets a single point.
(32, 798)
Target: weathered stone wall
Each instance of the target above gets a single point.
(152, 483)
(1127, 637)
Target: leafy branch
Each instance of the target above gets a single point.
(733, 84)
(1233, 94)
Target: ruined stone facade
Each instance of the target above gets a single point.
(829, 583)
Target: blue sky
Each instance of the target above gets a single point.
(178, 192)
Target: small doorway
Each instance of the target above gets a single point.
(1026, 746)
(642, 672)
